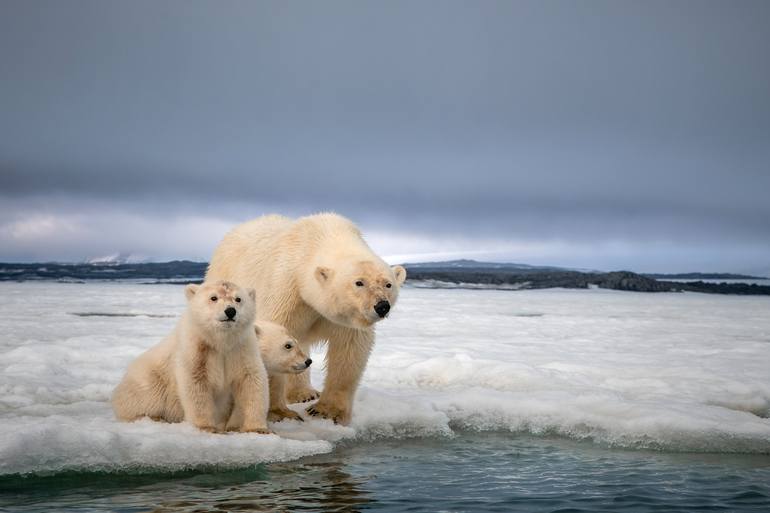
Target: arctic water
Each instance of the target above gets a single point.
(473, 400)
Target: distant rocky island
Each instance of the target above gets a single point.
(704, 276)
(176, 271)
(472, 274)
(451, 274)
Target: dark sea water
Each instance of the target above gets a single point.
(471, 472)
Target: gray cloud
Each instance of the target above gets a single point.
(535, 121)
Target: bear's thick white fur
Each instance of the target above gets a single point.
(207, 371)
(282, 356)
(317, 277)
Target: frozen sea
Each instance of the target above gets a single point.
(473, 400)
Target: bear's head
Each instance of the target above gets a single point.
(355, 294)
(221, 306)
(280, 352)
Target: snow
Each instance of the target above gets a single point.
(678, 372)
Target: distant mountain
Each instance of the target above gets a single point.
(465, 264)
(704, 276)
(114, 259)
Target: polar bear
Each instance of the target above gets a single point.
(317, 277)
(207, 371)
(282, 356)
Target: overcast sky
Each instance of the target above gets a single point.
(606, 135)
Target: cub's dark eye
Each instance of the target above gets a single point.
(213, 298)
(359, 283)
(287, 346)
(388, 285)
(237, 300)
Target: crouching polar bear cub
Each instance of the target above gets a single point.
(317, 277)
(282, 356)
(207, 371)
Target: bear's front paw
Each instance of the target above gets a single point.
(334, 412)
(278, 414)
(258, 430)
(302, 395)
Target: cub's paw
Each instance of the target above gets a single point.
(302, 395)
(277, 415)
(335, 413)
(209, 429)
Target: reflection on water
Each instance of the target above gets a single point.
(316, 486)
(320, 486)
(472, 472)
(310, 485)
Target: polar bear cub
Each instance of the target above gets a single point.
(282, 356)
(207, 371)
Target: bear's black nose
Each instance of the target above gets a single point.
(382, 308)
(230, 312)
(308, 362)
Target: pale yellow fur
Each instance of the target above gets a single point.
(282, 356)
(304, 272)
(207, 371)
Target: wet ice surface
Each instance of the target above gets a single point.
(672, 372)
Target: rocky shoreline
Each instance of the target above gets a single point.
(456, 274)
(618, 280)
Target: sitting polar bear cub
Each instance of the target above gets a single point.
(282, 356)
(208, 371)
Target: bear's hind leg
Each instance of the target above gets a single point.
(134, 399)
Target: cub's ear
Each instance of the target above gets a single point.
(323, 274)
(190, 290)
(252, 294)
(400, 273)
(256, 330)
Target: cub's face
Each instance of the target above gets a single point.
(358, 295)
(280, 352)
(221, 306)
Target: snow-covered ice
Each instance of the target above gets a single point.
(680, 372)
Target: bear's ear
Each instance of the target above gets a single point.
(323, 274)
(400, 274)
(190, 290)
(252, 294)
(256, 330)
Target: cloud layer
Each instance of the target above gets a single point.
(489, 127)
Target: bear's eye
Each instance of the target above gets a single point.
(288, 345)
(388, 285)
(359, 283)
(213, 298)
(237, 300)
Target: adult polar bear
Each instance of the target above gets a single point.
(317, 277)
